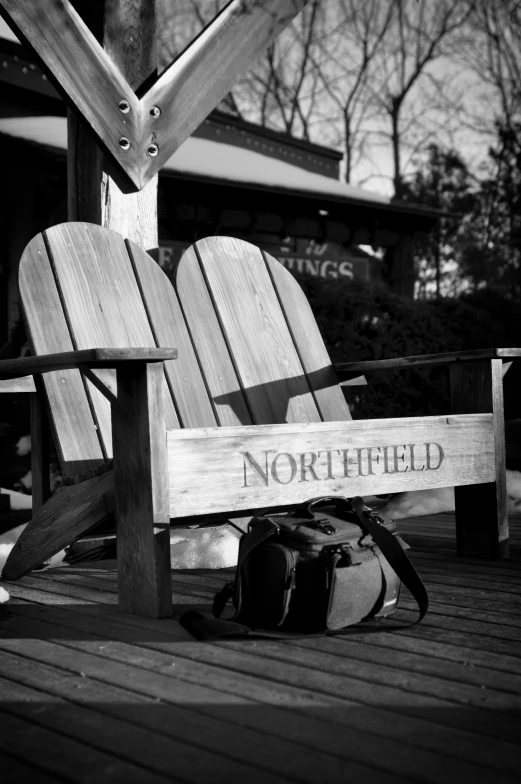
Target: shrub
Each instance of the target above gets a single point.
(361, 321)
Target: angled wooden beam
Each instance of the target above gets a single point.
(84, 74)
(142, 134)
(71, 512)
(204, 73)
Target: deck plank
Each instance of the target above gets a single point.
(439, 701)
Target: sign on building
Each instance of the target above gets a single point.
(324, 260)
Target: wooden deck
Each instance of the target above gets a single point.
(90, 694)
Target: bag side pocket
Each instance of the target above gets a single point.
(268, 581)
(354, 588)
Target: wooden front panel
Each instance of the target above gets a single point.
(226, 470)
(255, 331)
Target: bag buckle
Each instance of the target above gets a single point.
(325, 527)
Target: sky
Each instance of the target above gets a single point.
(374, 171)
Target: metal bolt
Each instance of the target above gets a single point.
(155, 111)
(124, 143)
(153, 150)
(124, 106)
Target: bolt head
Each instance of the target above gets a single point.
(155, 111)
(153, 150)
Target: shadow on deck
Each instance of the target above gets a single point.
(90, 694)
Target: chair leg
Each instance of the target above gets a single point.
(141, 492)
(481, 510)
(40, 458)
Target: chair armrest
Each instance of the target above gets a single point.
(427, 360)
(92, 358)
(20, 384)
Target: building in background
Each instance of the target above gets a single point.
(230, 178)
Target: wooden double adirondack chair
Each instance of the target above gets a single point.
(249, 415)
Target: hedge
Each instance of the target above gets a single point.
(361, 321)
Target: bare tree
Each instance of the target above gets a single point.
(494, 53)
(282, 90)
(357, 31)
(352, 74)
(423, 34)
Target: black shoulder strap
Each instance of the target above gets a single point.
(395, 554)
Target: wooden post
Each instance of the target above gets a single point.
(481, 510)
(141, 490)
(100, 193)
(97, 191)
(40, 462)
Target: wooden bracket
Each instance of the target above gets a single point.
(142, 133)
(111, 396)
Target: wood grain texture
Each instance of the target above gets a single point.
(419, 691)
(254, 328)
(447, 358)
(69, 513)
(481, 511)
(185, 380)
(208, 68)
(17, 385)
(209, 343)
(263, 466)
(101, 299)
(90, 357)
(141, 490)
(109, 299)
(129, 40)
(133, 214)
(74, 430)
(312, 352)
(76, 64)
(97, 193)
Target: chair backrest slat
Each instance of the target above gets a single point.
(214, 357)
(313, 354)
(187, 386)
(255, 331)
(75, 432)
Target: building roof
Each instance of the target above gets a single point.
(205, 159)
